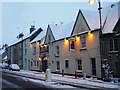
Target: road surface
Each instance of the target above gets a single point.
(15, 82)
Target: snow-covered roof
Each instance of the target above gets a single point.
(91, 18)
(5, 58)
(62, 31)
(2, 51)
(110, 16)
(39, 36)
(42, 41)
(23, 38)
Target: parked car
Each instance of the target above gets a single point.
(14, 67)
(5, 66)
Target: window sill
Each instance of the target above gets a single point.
(58, 71)
(113, 51)
(79, 71)
(83, 48)
(72, 49)
(56, 55)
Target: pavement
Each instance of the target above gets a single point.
(69, 80)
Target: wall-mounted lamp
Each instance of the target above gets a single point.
(92, 1)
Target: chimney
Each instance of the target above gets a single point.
(32, 28)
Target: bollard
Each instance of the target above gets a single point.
(84, 76)
(75, 74)
(62, 73)
(48, 75)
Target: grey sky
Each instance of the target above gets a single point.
(22, 15)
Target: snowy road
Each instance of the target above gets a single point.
(15, 82)
(38, 78)
(24, 83)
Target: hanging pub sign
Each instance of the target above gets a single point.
(44, 49)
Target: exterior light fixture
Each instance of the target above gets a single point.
(65, 39)
(40, 59)
(45, 45)
(89, 32)
(92, 1)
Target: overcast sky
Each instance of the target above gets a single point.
(22, 15)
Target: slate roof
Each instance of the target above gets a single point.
(110, 17)
(39, 36)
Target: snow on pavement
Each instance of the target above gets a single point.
(89, 82)
(51, 84)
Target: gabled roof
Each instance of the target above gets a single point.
(110, 17)
(62, 31)
(80, 24)
(91, 18)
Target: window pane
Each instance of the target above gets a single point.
(111, 45)
(37, 63)
(72, 44)
(115, 44)
(79, 64)
(31, 63)
(66, 63)
(83, 41)
(58, 65)
(34, 62)
(57, 50)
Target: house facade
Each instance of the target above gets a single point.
(26, 55)
(71, 55)
(34, 56)
(18, 52)
(36, 51)
(111, 41)
(111, 50)
(72, 47)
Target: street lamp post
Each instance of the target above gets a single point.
(100, 30)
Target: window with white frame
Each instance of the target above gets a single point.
(66, 63)
(113, 45)
(37, 63)
(58, 65)
(83, 41)
(79, 64)
(57, 51)
(72, 44)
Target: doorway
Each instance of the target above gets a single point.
(93, 62)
